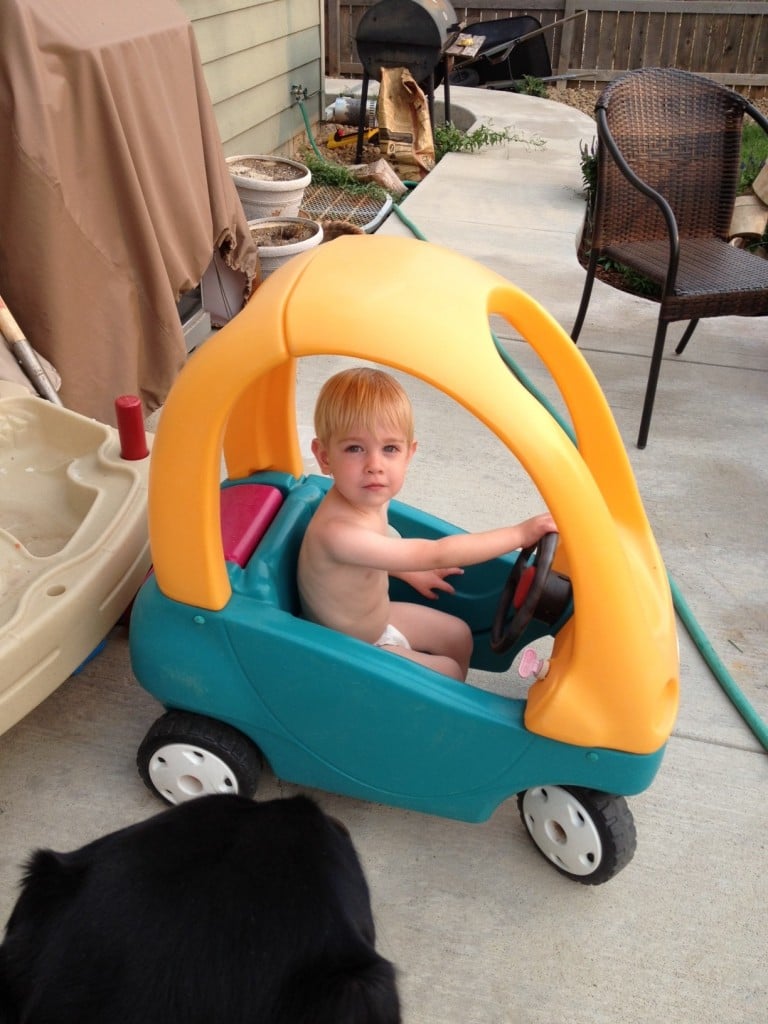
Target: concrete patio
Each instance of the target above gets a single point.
(481, 929)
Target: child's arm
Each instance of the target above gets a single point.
(359, 546)
(427, 581)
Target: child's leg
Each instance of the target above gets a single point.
(445, 666)
(439, 640)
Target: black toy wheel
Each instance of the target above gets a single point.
(587, 835)
(184, 756)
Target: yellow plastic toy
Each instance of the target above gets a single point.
(219, 639)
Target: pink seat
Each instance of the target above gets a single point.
(246, 512)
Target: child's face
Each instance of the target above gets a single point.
(368, 466)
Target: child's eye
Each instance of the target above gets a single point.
(392, 449)
(353, 449)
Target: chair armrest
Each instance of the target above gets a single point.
(757, 116)
(605, 136)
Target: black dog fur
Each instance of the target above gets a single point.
(218, 911)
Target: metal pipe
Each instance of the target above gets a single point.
(26, 356)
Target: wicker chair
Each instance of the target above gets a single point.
(668, 156)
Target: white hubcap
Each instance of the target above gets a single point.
(562, 829)
(180, 771)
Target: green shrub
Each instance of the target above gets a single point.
(532, 86)
(450, 139)
(588, 161)
(754, 153)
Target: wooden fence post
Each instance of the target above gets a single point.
(332, 48)
(566, 43)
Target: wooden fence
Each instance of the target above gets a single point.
(726, 41)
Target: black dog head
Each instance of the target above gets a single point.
(219, 909)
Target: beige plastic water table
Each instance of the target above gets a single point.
(73, 543)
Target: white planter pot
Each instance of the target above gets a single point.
(281, 238)
(269, 186)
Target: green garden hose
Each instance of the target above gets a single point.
(308, 128)
(696, 633)
(718, 669)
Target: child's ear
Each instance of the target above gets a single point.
(412, 452)
(321, 454)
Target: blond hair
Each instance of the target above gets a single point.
(362, 397)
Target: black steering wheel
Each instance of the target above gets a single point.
(530, 587)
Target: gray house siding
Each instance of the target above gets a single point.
(253, 51)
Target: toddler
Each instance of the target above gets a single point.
(364, 440)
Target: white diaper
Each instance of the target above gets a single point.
(392, 637)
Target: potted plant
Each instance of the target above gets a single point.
(280, 238)
(269, 186)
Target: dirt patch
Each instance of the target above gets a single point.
(283, 232)
(260, 169)
(581, 99)
(344, 153)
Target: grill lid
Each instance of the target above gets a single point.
(405, 33)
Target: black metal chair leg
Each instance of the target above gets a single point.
(653, 379)
(585, 297)
(686, 336)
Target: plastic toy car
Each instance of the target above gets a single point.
(217, 636)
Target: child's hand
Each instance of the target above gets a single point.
(534, 529)
(427, 581)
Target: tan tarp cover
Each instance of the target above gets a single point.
(114, 191)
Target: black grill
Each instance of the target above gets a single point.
(405, 34)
